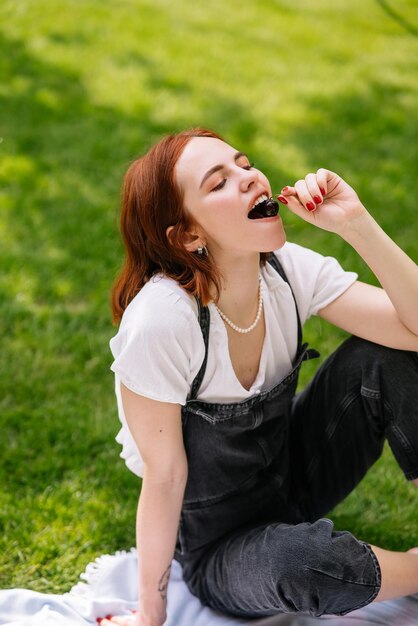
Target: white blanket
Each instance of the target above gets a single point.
(109, 586)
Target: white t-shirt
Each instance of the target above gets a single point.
(159, 347)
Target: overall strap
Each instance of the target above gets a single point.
(274, 262)
(204, 321)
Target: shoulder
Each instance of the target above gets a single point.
(306, 265)
(162, 317)
(159, 347)
(292, 255)
(162, 303)
(316, 279)
(300, 265)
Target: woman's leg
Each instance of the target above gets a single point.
(399, 573)
(283, 568)
(362, 394)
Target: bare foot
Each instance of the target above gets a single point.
(414, 550)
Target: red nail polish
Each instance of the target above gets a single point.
(282, 199)
(109, 616)
(322, 191)
(317, 199)
(310, 206)
(99, 619)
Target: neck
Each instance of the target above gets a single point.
(239, 294)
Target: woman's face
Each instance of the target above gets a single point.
(219, 188)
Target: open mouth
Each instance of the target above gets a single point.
(267, 207)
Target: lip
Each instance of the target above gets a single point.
(256, 196)
(266, 219)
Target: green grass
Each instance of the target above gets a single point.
(87, 86)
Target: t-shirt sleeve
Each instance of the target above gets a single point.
(316, 280)
(157, 352)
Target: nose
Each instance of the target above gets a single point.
(248, 179)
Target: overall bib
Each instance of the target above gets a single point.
(251, 540)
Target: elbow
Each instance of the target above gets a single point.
(175, 475)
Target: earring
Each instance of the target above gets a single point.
(202, 250)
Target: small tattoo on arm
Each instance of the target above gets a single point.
(163, 583)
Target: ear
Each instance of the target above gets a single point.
(192, 241)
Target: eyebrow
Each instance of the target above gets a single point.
(216, 168)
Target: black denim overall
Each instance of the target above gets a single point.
(251, 540)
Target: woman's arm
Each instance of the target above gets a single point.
(158, 515)
(396, 272)
(389, 315)
(157, 430)
(366, 311)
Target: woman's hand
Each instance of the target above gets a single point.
(120, 620)
(125, 620)
(129, 620)
(325, 200)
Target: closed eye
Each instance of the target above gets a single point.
(218, 187)
(222, 183)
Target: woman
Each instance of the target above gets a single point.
(239, 470)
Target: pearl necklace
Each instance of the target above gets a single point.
(257, 317)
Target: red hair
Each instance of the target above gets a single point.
(152, 201)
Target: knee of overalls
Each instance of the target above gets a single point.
(319, 571)
(385, 374)
(368, 356)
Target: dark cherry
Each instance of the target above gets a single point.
(267, 208)
(271, 207)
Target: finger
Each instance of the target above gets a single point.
(296, 207)
(304, 196)
(282, 199)
(313, 188)
(294, 202)
(322, 178)
(288, 191)
(110, 620)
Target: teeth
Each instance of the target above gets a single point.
(260, 199)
